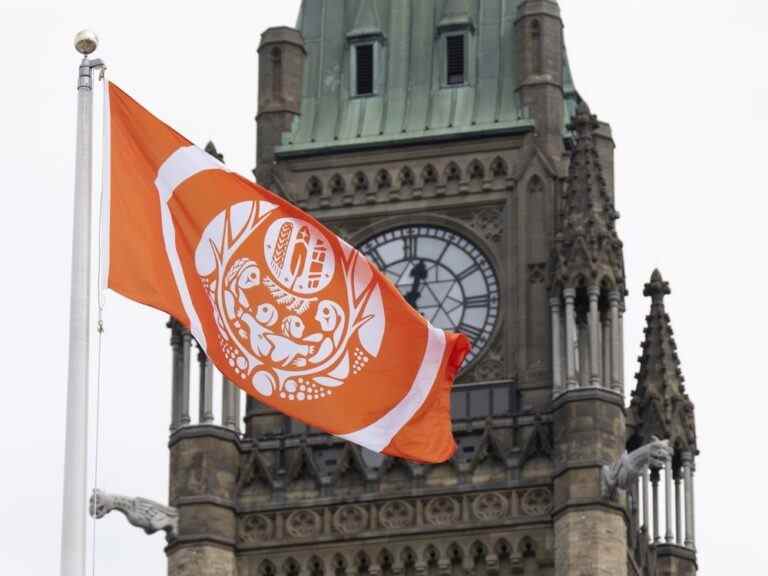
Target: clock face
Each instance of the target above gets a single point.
(444, 276)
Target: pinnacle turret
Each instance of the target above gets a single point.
(587, 250)
(660, 406)
(657, 288)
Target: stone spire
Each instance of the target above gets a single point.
(587, 248)
(660, 406)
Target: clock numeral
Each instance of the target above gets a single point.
(471, 332)
(410, 246)
(477, 301)
(468, 272)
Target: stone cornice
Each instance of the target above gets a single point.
(204, 431)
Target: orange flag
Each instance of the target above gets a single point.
(287, 311)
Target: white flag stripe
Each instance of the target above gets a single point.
(378, 435)
(179, 167)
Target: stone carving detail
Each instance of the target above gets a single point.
(291, 567)
(586, 244)
(350, 519)
(453, 172)
(489, 223)
(536, 185)
(442, 511)
(383, 180)
(621, 475)
(339, 564)
(146, 514)
(490, 506)
(476, 170)
(498, 167)
(360, 182)
(314, 187)
(396, 515)
(255, 471)
(492, 365)
(315, 566)
(537, 501)
(429, 174)
(303, 524)
(660, 405)
(537, 272)
(539, 443)
(407, 177)
(257, 528)
(266, 568)
(337, 184)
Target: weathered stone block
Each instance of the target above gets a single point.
(201, 561)
(590, 543)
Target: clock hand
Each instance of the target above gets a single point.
(418, 273)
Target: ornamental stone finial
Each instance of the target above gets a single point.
(146, 514)
(620, 475)
(657, 288)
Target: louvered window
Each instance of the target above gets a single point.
(455, 58)
(364, 69)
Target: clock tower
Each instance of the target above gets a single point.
(446, 140)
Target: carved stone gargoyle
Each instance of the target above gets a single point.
(630, 466)
(140, 512)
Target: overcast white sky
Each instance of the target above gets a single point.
(683, 84)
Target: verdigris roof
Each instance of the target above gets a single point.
(411, 101)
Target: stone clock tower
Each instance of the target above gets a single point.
(446, 140)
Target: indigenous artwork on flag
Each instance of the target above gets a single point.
(299, 326)
(287, 311)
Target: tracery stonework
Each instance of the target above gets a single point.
(537, 501)
(492, 366)
(397, 514)
(490, 506)
(257, 528)
(443, 511)
(350, 519)
(489, 223)
(303, 524)
(537, 272)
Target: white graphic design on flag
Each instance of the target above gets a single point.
(277, 328)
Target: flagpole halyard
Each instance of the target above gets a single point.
(73, 534)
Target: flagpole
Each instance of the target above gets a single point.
(73, 525)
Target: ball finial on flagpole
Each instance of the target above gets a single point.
(86, 42)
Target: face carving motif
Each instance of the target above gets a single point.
(249, 277)
(327, 315)
(266, 314)
(293, 327)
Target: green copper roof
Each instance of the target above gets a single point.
(412, 100)
(367, 20)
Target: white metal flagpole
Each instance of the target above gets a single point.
(76, 447)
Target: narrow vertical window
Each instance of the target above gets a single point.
(455, 59)
(277, 72)
(364, 71)
(536, 40)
